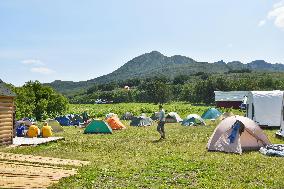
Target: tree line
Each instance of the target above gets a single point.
(35, 100)
(39, 101)
(197, 88)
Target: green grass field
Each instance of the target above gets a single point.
(133, 158)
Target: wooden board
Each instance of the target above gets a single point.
(2, 120)
(28, 175)
(6, 108)
(9, 127)
(6, 100)
(24, 141)
(6, 124)
(3, 115)
(6, 111)
(6, 132)
(40, 159)
(6, 104)
(27, 171)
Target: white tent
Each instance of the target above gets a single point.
(249, 136)
(266, 108)
(173, 117)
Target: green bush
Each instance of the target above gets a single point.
(41, 102)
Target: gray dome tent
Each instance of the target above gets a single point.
(155, 116)
(173, 117)
(141, 121)
(193, 119)
(127, 116)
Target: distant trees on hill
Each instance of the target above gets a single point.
(198, 88)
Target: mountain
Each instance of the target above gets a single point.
(156, 64)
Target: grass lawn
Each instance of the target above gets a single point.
(132, 158)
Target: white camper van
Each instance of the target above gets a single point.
(266, 108)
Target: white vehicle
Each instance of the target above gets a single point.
(266, 108)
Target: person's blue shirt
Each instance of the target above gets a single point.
(20, 131)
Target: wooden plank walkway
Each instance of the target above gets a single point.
(41, 160)
(23, 141)
(26, 171)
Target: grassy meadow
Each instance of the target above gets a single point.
(133, 158)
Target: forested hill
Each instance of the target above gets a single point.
(156, 64)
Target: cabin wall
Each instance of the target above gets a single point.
(229, 104)
(6, 120)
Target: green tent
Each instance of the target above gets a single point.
(211, 113)
(98, 126)
(55, 125)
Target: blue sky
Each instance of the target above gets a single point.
(47, 40)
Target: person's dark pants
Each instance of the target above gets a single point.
(161, 129)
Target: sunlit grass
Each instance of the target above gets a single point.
(132, 158)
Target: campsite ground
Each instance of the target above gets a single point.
(133, 158)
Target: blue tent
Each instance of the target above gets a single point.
(211, 113)
(63, 120)
(75, 119)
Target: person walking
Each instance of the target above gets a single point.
(161, 122)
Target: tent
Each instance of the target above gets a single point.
(63, 121)
(98, 126)
(85, 116)
(141, 121)
(115, 123)
(236, 134)
(75, 119)
(173, 117)
(127, 116)
(26, 122)
(193, 119)
(225, 115)
(155, 116)
(55, 125)
(266, 108)
(111, 115)
(211, 113)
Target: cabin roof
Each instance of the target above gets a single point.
(230, 95)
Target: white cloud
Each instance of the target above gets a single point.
(261, 23)
(42, 70)
(277, 14)
(279, 4)
(32, 62)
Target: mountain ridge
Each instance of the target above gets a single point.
(156, 64)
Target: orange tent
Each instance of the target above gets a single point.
(115, 123)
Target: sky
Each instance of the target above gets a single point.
(72, 40)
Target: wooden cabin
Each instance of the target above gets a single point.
(229, 99)
(6, 114)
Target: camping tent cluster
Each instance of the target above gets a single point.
(234, 134)
(106, 126)
(70, 120)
